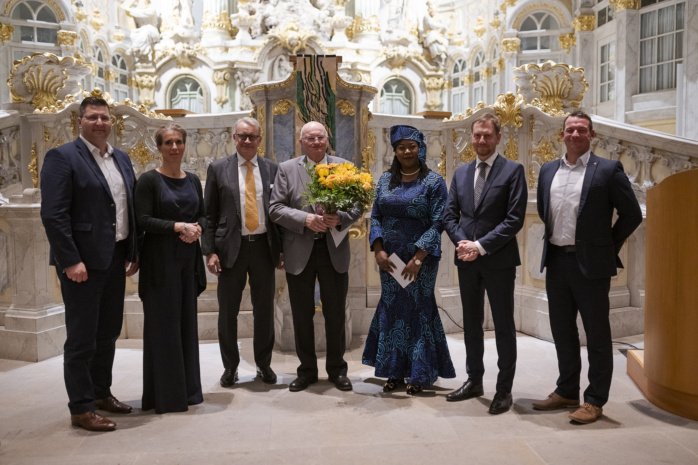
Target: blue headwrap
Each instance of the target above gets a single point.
(400, 132)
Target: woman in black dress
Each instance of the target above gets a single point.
(170, 210)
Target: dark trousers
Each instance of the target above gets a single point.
(568, 292)
(253, 260)
(499, 284)
(333, 294)
(94, 312)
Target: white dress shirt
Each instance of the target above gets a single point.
(490, 163)
(242, 175)
(565, 193)
(116, 184)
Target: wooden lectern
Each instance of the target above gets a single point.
(667, 370)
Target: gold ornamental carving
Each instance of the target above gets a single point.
(626, 4)
(486, 73)
(441, 169)
(508, 109)
(110, 75)
(362, 25)
(261, 116)
(80, 14)
(96, 22)
(291, 37)
(545, 152)
(584, 23)
(496, 22)
(117, 122)
(531, 177)
(468, 112)
(512, 150)
(47, 134)
(118, 34)
(34, 165)
(283, 106)
(44, 78)
(221, 78)
(368, 157)
(359, 229)
(67, 38)
(468, 154)
(346, 107)
(43, 85)
(479, 29)
(567, 41)
(74, 124)
(6, 31)
(557, 85)
(141, 154)
(185, 54)
(220, 22)
(511, 45)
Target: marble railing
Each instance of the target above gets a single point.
(30, 303)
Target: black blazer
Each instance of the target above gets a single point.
(597, 239)
(77, 208)
(149, 214)
(223, 210)
(498, 217)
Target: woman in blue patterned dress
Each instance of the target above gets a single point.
(406, 339)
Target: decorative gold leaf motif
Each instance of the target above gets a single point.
(346, 107)
(441, 169)
(263, 144)
(626, 4)
(34, 165)
(512, 150)
(368, 157)
(141, 154)
(282, 107)
(6, 31)
(508, 109)
(469, 154)
(44, 87)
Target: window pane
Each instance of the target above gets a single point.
(666, 19)
(45, 14)
(26, 33)
(123, 79)
(665, 48)
(646, 52)
(22, 12)
(611, 72)
(646, 79)
(545, 42)
(679, 45)
(604, 53)
(680, 11)
(648, 25)
(611, 90)
(604, 73)
(665, 76)
(529, 25)
(529, 43)
(546, 23)
(49, 36)
(601, 18)
(604, 94)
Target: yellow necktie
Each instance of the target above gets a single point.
(251, 213)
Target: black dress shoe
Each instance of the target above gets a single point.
(113, 405)
(501, 403)
(267, 374)
(468, 390)
(301, 383)
(229, 377)
(341, 382)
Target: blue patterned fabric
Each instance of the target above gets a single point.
(401, 132)
(406, 338)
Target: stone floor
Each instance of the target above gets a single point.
(253, 423)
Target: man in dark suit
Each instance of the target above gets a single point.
(87, 211)
(311, 253)
(577, 196)
(485, 209)
(243, 243)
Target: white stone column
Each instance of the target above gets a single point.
(215, 24)
(627, 23)
(35, 321)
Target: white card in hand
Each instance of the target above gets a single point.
(397, 273)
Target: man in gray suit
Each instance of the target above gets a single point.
(310, 254)
(243, 243)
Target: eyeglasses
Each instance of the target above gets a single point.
(316, 138)
(251, 137)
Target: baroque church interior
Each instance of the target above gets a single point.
(435, 65)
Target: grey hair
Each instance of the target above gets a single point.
(250, 121)
(323, 128)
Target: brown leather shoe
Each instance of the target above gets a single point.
(587, 413)
(92, 422)
(555, 402)
(111, 404)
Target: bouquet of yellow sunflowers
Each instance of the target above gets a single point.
(339, 186)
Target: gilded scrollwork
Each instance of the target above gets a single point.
(512, 150)
(261, 118)
(441, 168)
(368, 156)
(567, 41)
(44, 78)
(508, 109)
(6, 31)
(141, 154)
(468, 154)
(511, 45)
(291, 36)
(34, 165)
(283, 106)
(626, 4)
(584, 23)
(359, 229)
(556, 84)
(346, 107)
(67, 38)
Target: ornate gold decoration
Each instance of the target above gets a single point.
(44, 78)
(110, 75)
(545, 151)
(584, 23)
(441, 169)
(283, 106)
(220, 22)
(96, 22)
(512, 150)
(500, 65)
(486, 73)
(468, 79)
(185, 54)
(291, 37)
(141, 154)
(626, 4)
(496, 22)
(34, 165)
(58, 10)
(511, 45)
(146, 87)
(508, 109)
(67, 38)
(358, 230)
(433, 86)
(368, 157)
(396, 56)
(80, 14)
(44, 86)
(47, 134)
(479, 29)
(354, 85)
(74, 124)
(547, 108)
(221, 77)
(118, 125)
(468, 112)
(118, 34)
(362, 25)
(468, 154)
(6, 31)
(531, 126)
(555, 84)
(346, 107)
(531, 177)
(141, 109)
(340, 3)
(260, 114)
(567, 41)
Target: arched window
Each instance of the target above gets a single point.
(458, 86)
(187, 94)
(120, 70)
(100, 67)
(35, 25)
(539, 34)
(661, 43)
(478, 78)
(396, 98)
